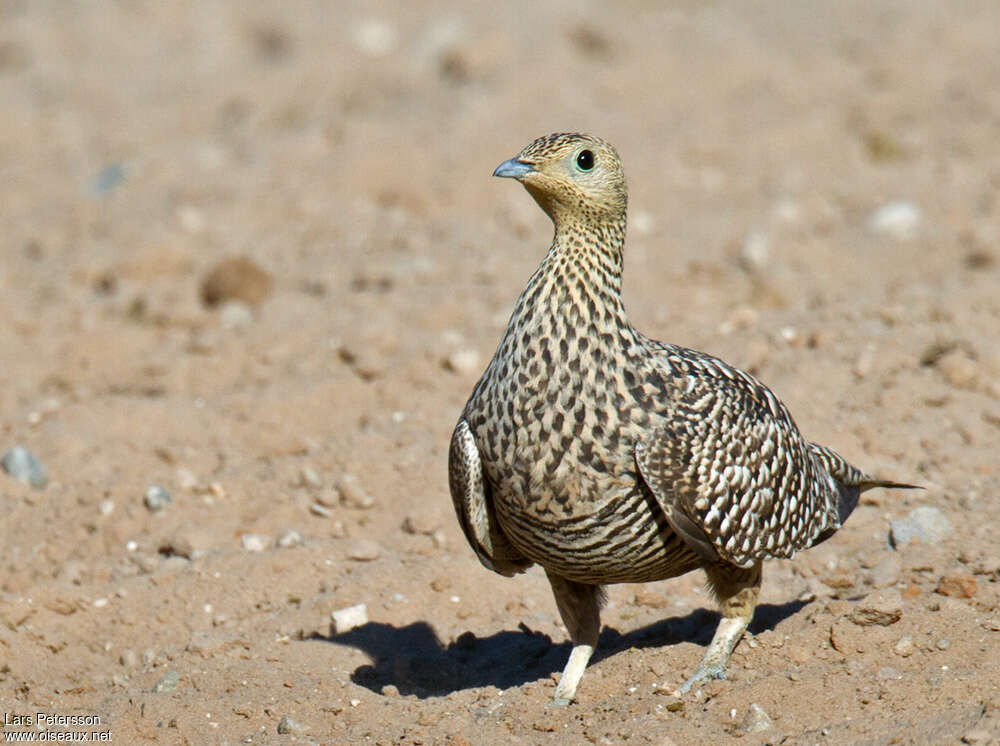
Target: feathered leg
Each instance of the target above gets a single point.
(580, 607)
(736, 590)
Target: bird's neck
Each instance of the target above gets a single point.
(581, 273)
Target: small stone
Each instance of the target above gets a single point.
(352, 494)
(390, 690)
(943, 644)
(364, 550)
(256, 542)
(754, 252)
(958, 585)
(235, 314)
(309, 478)
(464, 362)
(106, 506)
(958, 369)
(756, 720)
(236, 278)
(905, 647)
(888, 673)
(291, 538)
(168, 683)
(880, 608)
(347, 619)
(157, 498)
(898, 220)
(651, 599)
(887, 572)
(25, 467)
(925, 524)
(128, 658)
(321, 510)
(186, 478)
(288, 726)
(421, 523)
(672, 703)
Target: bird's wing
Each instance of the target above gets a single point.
(470, 493)
(730, 470)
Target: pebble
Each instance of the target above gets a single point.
(237, 278)
(756, 720)
(943, 644)
(288, 726)
(347, 619)
(898, 220)
(291, 538)
(186, 478)
(321, 510)
(352, 494)
(880, 608)
(958, 369)
(235, 314)
(905, 647)
(754, 252)
(157, 498)
(421, 523)
(465, 362)
(364, 550)
(106, 506)
(256, 542)
(958, 585)
(888, 673)
(128, 658)
(168, 683)
(887, 572)
(25, 467)
(309, 478)
(925, 524)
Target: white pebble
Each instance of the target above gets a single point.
(465, 362)
(291, 538)
(157, 498)
(898, 220)
(256, 542)
(349, 618)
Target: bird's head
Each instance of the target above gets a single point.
(571, 175)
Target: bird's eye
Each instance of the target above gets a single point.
(585, 160)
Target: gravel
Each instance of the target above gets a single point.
(925, 524)
(157, 498)
(349, 618)
(168, 683)
(880, 608)
(24, 466)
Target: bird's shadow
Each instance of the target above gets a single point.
(415, 661)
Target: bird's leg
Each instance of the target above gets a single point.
(736, 590)
(580, 607)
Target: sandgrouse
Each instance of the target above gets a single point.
(608, 457)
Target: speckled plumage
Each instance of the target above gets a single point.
(605, 456)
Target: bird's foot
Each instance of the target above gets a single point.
(709, 672)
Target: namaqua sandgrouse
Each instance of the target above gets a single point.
(608, 457)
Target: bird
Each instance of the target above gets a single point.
(605, 456)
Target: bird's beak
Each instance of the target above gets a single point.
(514, 169)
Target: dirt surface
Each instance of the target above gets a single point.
(345, 151)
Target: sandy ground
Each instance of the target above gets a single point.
(346, 150)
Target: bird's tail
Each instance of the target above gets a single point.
(851, 482)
